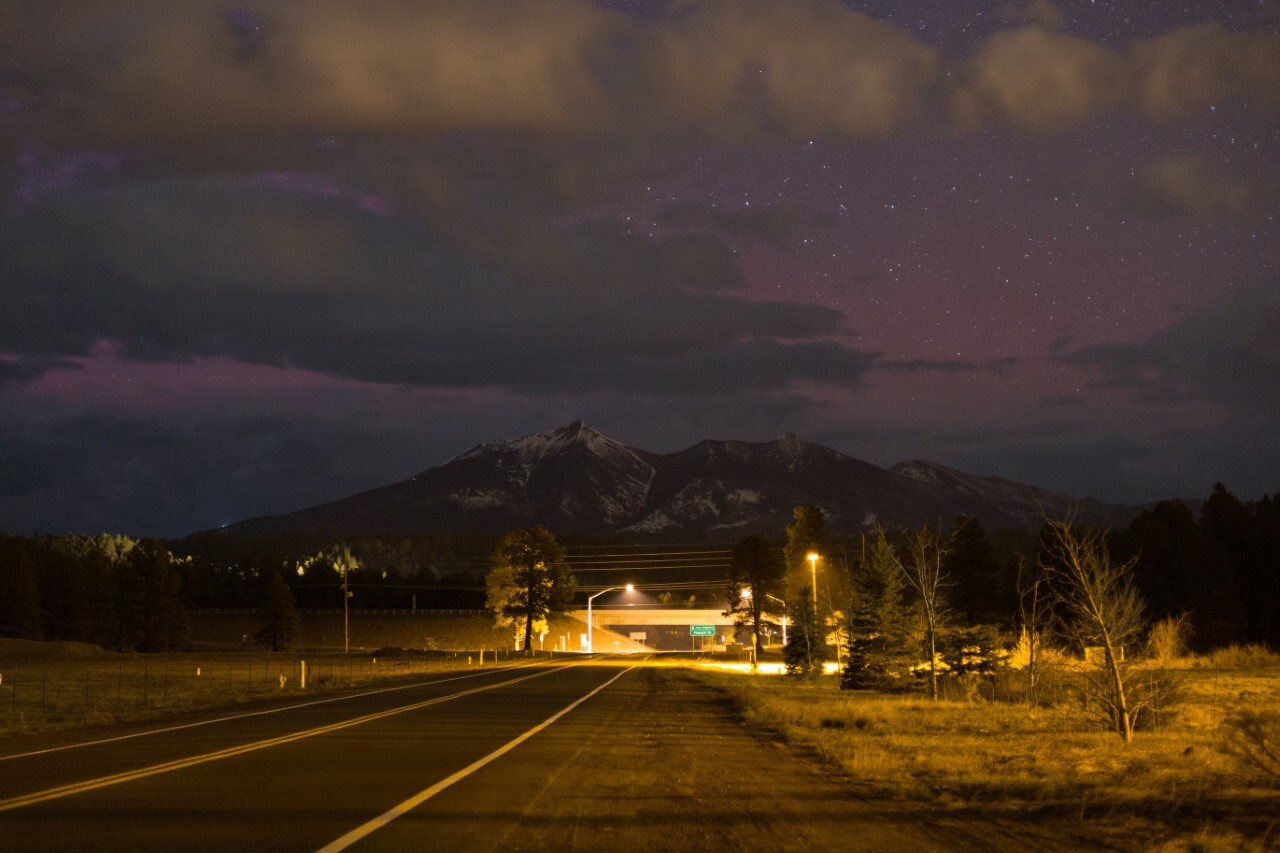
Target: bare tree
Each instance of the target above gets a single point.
(1035, 613)
(926, 549)
(1106, 617)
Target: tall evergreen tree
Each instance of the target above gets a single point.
(806, 534)
(879, 653)
(806, 648)
(162, 620)
(1263, 578)
(1167, 543)
(541, 584)
(19, 592)
(280, 615)
(978, 591)
(753, 568)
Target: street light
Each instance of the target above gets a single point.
(784, 615)
(591, 645)
(746, 595)
(812, 557)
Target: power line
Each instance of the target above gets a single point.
(653, 568)
(659, 554)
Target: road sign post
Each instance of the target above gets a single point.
(696, 631)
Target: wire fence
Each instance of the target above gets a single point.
(53, 691)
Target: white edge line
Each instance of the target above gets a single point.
(263, 712)
(422, 796)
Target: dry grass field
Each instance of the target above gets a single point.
(1179, 786)
(45, 686)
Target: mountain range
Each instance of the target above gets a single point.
(576, 480)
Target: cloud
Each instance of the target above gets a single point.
(1192, 68)
(241, 270)
(1039, 12)
(139, 476)
(914, 365)
(145, 68)
(750, 68)
(303, 80)
(776, 226)
(1227, 353)
(16, 368)
(1189, 185)
(118, 72)
(1040, 80)
(1062, 401)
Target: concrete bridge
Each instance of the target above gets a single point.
(641, 629)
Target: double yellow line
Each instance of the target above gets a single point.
(168, 766)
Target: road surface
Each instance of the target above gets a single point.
(599, 755)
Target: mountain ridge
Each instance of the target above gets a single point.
(576, 480)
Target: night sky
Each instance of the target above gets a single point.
(258, 256)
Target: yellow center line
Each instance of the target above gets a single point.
(422, 796)
(178, 764)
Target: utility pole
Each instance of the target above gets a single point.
(345, 560)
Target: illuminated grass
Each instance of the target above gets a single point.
(1003, 759)
(53, 693)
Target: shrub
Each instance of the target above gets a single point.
(1244, 657)
(1253, 737)
(1168, 638)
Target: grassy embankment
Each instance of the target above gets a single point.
(47, 686)
(58, 685)
(1176, 785)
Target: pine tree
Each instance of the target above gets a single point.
(537, 583)
(806, 534)
(806, 648)
(754, 577)
(280, 614)
(19, 593)
(879, 654)
(162, 620)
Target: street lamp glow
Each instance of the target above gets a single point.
(812, 557)
(591, 640)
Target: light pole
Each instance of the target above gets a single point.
(784, 615)
(812, 557)
(746, 596)
(591, 645)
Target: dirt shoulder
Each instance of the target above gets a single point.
(686, 775)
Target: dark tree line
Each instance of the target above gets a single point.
(1218, 563)
(132, 595)
(390, 572)
(879, 593)
(111, 591)
(1223, 569)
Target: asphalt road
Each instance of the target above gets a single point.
(602, 755)
(304, 778)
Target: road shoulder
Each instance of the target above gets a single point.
(686, 775)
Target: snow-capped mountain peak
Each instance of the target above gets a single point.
(576, 479)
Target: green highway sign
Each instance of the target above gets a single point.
(702, 630)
